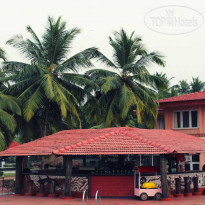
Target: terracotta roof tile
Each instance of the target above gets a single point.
(186, 97)
(13, 144)
(121, 140)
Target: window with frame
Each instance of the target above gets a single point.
(161, 123)
(185, 119)
(149, 160)
(192, 162)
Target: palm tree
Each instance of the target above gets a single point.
(170, 90)
(129, 86)
(184, 87)
(197, 85)
(51, 78)
(8, 107)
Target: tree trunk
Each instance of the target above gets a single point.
(46, 122)
(163, 172)
(67, 162)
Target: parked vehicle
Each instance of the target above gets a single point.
(144, 187)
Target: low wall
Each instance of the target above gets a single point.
(171, 179)
(78, 184)
(109, 185)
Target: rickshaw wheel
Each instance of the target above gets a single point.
(143, 196)
(158, 196)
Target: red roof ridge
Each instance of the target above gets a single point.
(149, 142)
(122, 130)
(66, 148)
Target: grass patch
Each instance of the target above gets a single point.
(9, 174)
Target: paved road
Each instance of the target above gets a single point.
(26, 200)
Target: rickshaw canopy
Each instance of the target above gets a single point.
(147, 169)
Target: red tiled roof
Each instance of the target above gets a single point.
(199, 135)
(121, 140)
(186, 97)
(13, 144)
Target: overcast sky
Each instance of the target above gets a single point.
(185, 52)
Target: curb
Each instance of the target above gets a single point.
(179, 195)
(187, 194)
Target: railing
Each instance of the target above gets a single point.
(97, 195)
(85, 194)
(6, 186)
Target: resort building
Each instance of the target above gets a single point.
(116, 155)
(185, 114)
(105, 143)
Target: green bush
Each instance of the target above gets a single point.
(1, 173)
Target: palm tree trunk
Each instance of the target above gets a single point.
(45, 122)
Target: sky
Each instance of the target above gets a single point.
(175, 28)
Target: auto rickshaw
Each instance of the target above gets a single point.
(144, 187)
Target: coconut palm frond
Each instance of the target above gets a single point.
(105, 60)
(3, 54)
(129, 99)
(78, 80)
(57, 40)
(12, 66)
(111, 83)
(33, 103)
(9, 103)
(2, 141)
(111, 112)
(79, 60)
(7, 120)
(96, 74)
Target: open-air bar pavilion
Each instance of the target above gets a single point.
(101, 142)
